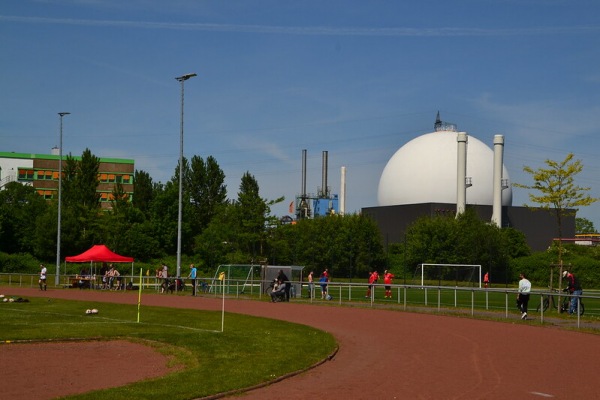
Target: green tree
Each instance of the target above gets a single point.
(143, 192)
(80, 181)
(348, 245)
(80, 219)
(20, 206)
(462, 240)
(557, 192)
(584, 225)
(218, 243)
(252, 212)
(163, 214)
(207, 191)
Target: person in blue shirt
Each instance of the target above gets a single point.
(192, 277)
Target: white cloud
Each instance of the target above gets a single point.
(310, 30)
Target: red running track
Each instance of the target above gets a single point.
(388, 354)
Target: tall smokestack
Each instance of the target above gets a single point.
(461, 173)
(303, 192)
(498, 161)
(343, 192)
(324, 191)
(302, 210)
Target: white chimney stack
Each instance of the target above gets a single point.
(498, 162)
(343, 192)
(461, 173)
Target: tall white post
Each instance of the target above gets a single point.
(58, 232)
(461, 173)
(181, 79)
(498, 161)
(343, 192)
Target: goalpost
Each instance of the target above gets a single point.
(451, 272)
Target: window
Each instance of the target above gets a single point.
(26, 174)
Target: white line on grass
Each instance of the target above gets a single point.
(108, 320)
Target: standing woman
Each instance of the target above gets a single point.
(42, 281)
(523, 296)
(387, 280)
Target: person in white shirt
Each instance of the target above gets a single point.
(42, 281)
(523, 295)
(165, 277)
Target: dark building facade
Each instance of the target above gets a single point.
(539, 227)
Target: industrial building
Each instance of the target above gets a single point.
(442, 173)
(41, 171)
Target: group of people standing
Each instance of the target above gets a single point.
(388, 277)
(111, 277)
(323, 283)
(324, 279)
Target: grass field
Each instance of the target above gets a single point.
(250, 350)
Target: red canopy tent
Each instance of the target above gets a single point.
(99, 253)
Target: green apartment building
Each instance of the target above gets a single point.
(41, 172)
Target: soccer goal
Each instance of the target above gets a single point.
(445, 274)
(238, 277)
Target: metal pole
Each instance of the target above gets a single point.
(57, 277)
(181, 79)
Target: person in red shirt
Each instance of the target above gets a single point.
(387, 280)
(486, 279)
(373, 278)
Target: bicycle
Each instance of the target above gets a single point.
(564, 307)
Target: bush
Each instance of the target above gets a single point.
(23, 263)
(583, 261)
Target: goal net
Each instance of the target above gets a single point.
(448, 274)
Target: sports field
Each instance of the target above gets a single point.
(395, 354)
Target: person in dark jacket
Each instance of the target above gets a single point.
(283, 280)
(574, 288)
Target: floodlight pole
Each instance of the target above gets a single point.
(181, 79)
(57, 277)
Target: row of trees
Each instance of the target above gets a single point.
(217, 230)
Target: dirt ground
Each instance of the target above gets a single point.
(382, 354)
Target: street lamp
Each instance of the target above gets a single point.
(181, 79)
(57, 277)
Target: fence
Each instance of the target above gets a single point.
(466, 300)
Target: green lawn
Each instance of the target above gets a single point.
(250, 350)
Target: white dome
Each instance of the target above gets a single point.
(424, 171)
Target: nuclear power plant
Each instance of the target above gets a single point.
(446, 171)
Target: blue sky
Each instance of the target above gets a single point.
(358, 79)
